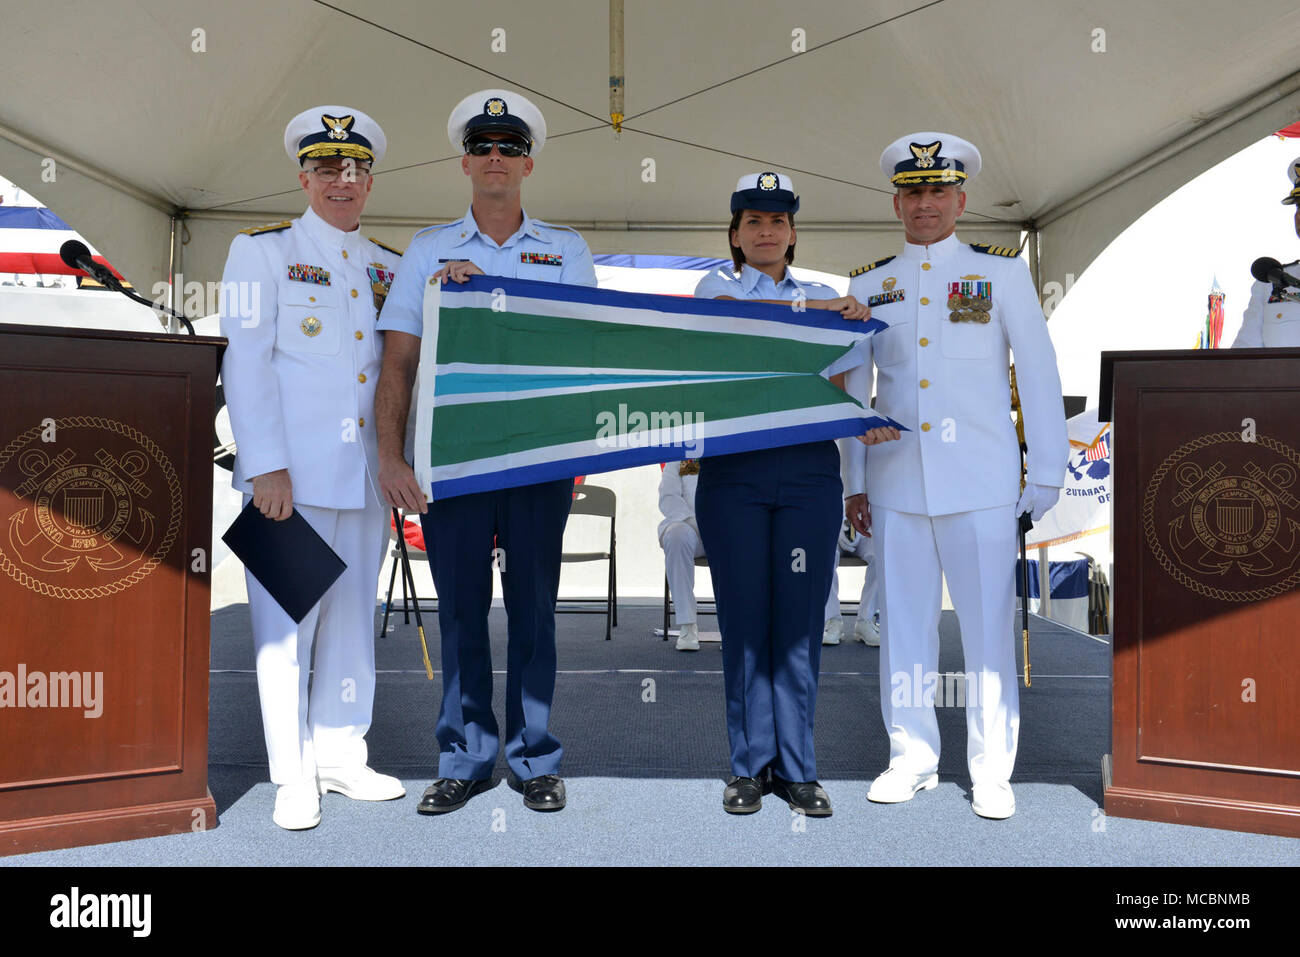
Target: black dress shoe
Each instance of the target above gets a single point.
(743, 795)
(806, 796)
(544, 792)
(450, 794)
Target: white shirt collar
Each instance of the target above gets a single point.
(329, 236)
(940, 250)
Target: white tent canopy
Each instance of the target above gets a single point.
(1086, 114)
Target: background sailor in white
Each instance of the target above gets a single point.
(500, 133)
(299, 304)
(679, 537)
(1268, 320)
(944, 499)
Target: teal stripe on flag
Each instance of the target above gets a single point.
(468, 383)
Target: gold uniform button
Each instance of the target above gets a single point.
(1279, 315)
(925, 266)
(359, 335)
(311, 298)
(345, 254)
(925, 383)
(925, 341)
(924, 301)
(354, 294)
(925, 426)
(362, 377)
(362, 421)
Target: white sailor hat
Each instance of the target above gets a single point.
(1294, 172)
(930, 158)
(496, 111)
(766, 192)
(334, 131)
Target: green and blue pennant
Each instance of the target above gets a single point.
(523, 381)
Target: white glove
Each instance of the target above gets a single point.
(1037, 500)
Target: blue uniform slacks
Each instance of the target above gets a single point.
(528, 526)
(769, 521)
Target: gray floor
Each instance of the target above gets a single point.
(645, 777)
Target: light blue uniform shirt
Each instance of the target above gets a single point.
(537, 250)
(755, 284)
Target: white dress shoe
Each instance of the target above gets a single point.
(867, 631)
(689, 639)
(895, 786)
(994, 801)
(360, 784)
(834, 631)
(297, 806)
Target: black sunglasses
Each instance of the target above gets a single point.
(482, 147)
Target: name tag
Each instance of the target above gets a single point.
(299, 272)
(542, 259)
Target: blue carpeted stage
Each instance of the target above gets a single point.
(645, 776)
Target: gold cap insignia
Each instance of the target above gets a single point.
(924, 154)
(336, 125)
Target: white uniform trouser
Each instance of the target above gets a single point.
(681, 544)
(326, 726)
(977, 552)
(864, 549)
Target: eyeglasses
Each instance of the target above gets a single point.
(482, 147)
(330, 174)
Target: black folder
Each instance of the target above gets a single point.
(290, 560)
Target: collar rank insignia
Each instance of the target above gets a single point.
(300, 272)
(870, 266)
(336, 126)
(542, 259)
(884, 298)
(970, 301)
(380, 281)
(924, 154)
(689, 467)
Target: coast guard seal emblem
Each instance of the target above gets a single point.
(1222, 517)
(89, 514)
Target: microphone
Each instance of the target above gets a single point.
(1270, 271)
(76, 255)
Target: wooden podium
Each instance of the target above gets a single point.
(105, 552)
(1205, 721)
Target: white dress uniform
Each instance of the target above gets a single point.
(299, 305)
(863, 547)
(679, 535)
(1269, 321)
(943, 497)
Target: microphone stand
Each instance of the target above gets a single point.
(136, 297)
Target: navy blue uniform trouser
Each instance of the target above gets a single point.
(528, 525)
(769, 521)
